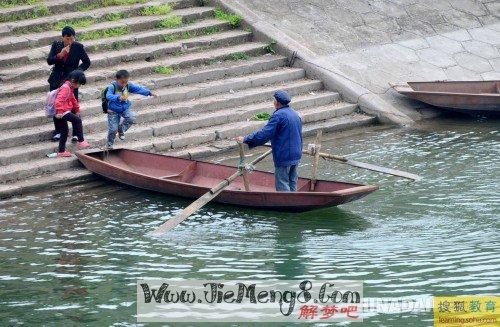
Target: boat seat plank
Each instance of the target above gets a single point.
(185, 175)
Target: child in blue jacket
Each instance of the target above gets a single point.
(119, 105)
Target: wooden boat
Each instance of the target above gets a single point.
(462, 96)
(191, 179)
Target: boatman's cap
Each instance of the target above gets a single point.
(282, 97)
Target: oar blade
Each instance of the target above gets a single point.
(183, 215)
(384, 170)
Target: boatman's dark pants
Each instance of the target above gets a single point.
(286, 178)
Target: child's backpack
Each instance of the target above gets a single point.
(104, 101)
(50, 108)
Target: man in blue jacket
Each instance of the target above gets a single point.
(119, 105)
(284, 129)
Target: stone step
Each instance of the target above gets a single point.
(77, 175)
(21, 136)
(209, 25)
(21, 104)
(20, 171)
(13, 14)
(146, 53)
(47, 22)
(215, 148)
(36, 116)
(60, 178)
(181, 118)
(135, 24)
(170, 133)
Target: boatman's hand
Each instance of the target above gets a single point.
(239, 139)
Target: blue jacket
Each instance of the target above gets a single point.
(114, 102)
(284, 129)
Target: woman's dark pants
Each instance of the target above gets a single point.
(62, 127)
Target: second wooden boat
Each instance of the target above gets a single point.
(191, 179)
(462, 96)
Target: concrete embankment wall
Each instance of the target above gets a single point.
(363, 45)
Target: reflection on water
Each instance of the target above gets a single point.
(73, 256)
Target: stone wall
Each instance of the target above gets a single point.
(374, 43)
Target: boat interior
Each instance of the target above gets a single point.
(470, 87)
(201, 173)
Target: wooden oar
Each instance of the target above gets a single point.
(373, 167)
(364, 165)
(317, 149)
(204, 199)
(246, 182)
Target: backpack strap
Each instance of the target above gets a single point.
(115, 87)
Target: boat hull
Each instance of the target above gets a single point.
(191, 179)
(461, 96)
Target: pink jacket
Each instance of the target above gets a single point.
(66, 101)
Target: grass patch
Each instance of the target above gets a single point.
(118, 45)
(75, 23)
(164, 70)
(15, 3)
(214, 62)
(109, 32)
(239, 56)
(38, 11)
(156, 10)
(211, 30)
(190, 34)
(170, 22)
(114, 16)
(271, 47)
(233, 19)
(261, 116)
(107, 3)
(171, 38)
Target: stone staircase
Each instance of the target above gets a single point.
(210, 76)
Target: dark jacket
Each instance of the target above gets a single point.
(284, 129)
(62, 68)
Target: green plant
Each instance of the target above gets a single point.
(112, 17)
(270, 48)
(261, 116)
(170, 22)
(202, 3)
(37, 12)
(233, 19)
(75, 23)
(156, 10)
(164, 70)
(107, 3)
(31, 29)
(109, 32)
(211, 30)
(239, 56)
(118, 45)
(170, 37)
(13, 3)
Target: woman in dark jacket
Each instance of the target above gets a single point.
(66, 56)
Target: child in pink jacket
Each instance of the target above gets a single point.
(68, 110)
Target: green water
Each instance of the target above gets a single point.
(72, 257)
